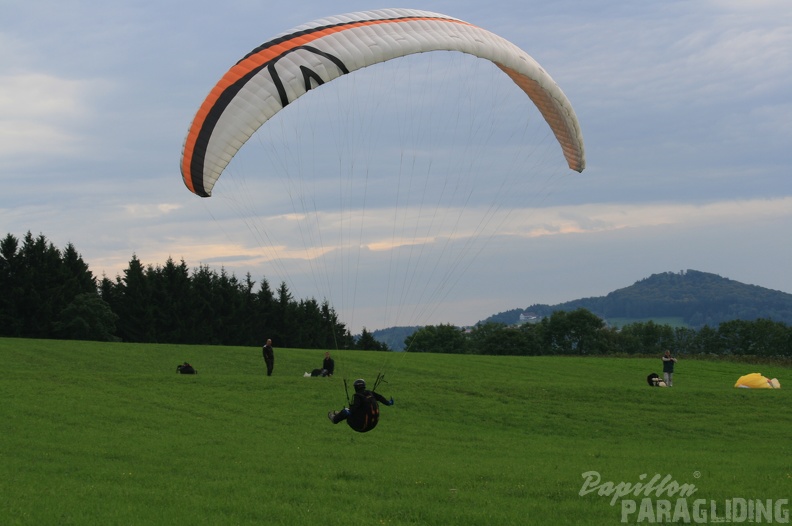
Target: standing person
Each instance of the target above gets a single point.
(668, 368)
(363, 413)
(269, 356)
(328, 365)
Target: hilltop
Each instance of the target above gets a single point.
(691, 298)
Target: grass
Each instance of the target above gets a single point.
(96, 433)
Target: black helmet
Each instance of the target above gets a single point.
(359, 385)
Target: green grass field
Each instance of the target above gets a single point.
(98, 433)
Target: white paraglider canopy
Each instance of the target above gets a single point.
(278, 72)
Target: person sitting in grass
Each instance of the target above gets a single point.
(328, 365)
(363, 413)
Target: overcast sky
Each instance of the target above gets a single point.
(685, 107)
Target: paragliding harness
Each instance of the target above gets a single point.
(366, 417)
(186, 368)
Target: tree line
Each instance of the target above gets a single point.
(51, 293)
(581, 333)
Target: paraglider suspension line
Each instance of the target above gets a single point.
(378, 381)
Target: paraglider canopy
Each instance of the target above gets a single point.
(357, 198)
(757, 381)
(283, 69)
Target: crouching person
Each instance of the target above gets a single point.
(186, 368)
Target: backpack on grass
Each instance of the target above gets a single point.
(186, 368)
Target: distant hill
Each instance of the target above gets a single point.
(697, 298)
(690, 298)
(394, 336)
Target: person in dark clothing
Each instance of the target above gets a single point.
(269, 356)
(668, 368)
(362, 415)
(328, 365)
(186, 368)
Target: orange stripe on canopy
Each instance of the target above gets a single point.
(259, 59)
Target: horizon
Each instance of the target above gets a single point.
(684, 109)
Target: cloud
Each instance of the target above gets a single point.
(375, 229)
(602, 217)
(246, 244)
(672, 53)
(37, 112)
(150, 210)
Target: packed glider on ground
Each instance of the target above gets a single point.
(757, 381)
(281, 70)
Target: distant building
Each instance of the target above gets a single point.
(528, 317)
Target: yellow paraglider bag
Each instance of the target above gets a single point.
(757, 381)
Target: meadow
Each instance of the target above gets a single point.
(100, 433)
